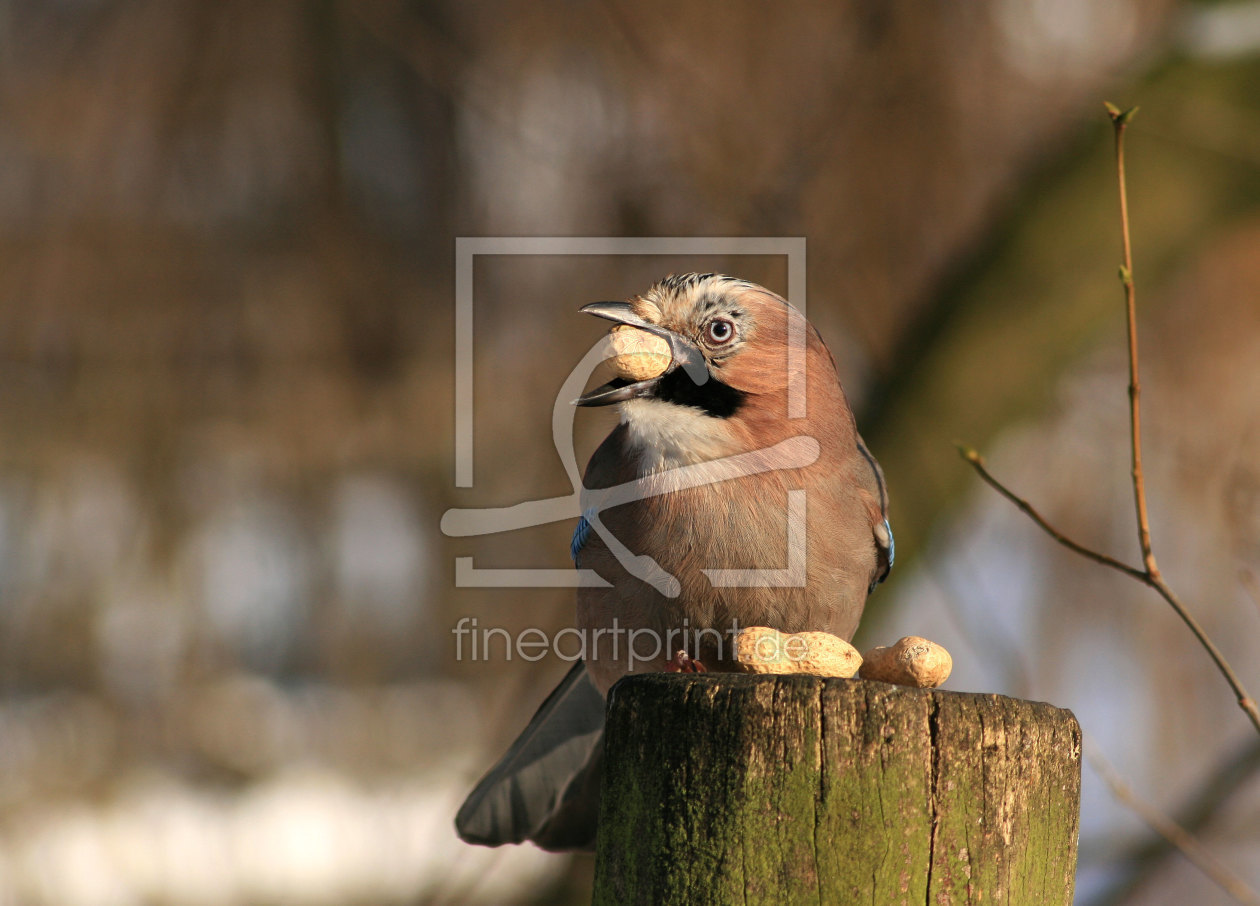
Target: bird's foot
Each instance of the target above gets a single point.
(685, 663)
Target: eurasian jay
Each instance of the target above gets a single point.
(711, 458)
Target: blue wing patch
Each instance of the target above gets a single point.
(886, 551)
(580, 534)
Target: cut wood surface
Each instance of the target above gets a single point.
(723, 788)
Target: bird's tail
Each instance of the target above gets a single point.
(546, 788)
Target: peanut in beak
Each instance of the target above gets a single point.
(639, 355)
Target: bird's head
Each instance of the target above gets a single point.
(723, 380)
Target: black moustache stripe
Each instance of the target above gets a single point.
(712, 397)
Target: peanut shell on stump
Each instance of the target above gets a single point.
(760, 649)
(913, 661)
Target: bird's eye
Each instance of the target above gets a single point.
(719, 332)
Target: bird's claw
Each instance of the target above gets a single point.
(682, 662)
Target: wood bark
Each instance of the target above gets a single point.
(722, 788)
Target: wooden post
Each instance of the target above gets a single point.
(722, 788)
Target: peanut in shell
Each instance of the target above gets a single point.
(639, 355)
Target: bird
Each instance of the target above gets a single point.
(711, 454)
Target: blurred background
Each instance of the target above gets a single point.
(227, 233)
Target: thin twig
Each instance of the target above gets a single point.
(1120, 120)
(1245, 701)
(1170, 830)
(977, 461)
(1149, 573)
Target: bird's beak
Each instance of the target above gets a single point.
(684, 355)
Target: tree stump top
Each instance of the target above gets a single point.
(723, 788)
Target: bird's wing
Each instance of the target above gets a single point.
(581, 533)
(881, 529)
(546, 788)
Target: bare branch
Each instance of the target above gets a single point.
(977, 462)
(1120, 120)
(1149, 574)
(1219, 784)
(1171, 831)
(1245, 701)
